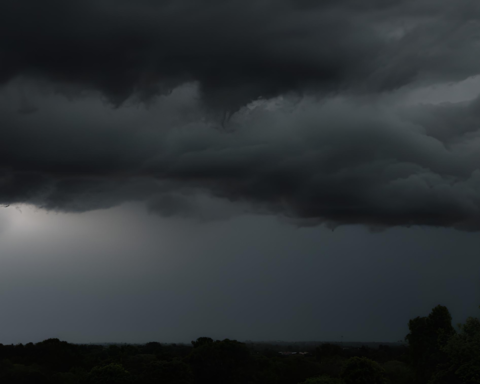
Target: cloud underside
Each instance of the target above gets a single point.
(209, 109)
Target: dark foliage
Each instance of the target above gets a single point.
(435, 354)
(206, 361)
(427, 337)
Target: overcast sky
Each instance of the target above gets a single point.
(263, 170)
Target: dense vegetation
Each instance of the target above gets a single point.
(436, 354)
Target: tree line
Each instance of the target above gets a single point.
(435, 353)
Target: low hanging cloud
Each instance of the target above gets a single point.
(338, 160)
(105, 102)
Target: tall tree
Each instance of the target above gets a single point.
(463, 352)
(427, 337)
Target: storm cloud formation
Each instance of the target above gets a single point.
(104, 102)
(238, 50)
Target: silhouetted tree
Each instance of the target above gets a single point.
(360, 370)
(220, 362)
(463, 356)
(398, 372)
(202, 341)
(426, 338)
(153, 348)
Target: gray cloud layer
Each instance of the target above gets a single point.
(330, 141)
(238, 50)
(337, 161)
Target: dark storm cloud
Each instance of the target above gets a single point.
(329, 141)
(336, 161)
(238, 50)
